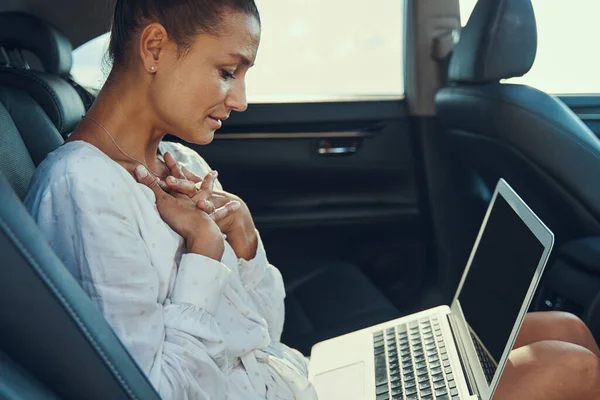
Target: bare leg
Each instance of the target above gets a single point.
(556, 326)
(550, 370)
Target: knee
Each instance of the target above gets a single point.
(582, 367)
(573, 327)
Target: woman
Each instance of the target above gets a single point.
(175, 263)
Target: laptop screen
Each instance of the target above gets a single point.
(498, 280)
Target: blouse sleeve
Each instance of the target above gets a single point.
(265, 285)
(178, 344)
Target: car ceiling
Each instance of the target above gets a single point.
(80, 20)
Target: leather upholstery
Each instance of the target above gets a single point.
(498, 42)
(18, 384)
(49, 325)
(24, 31)
(26, 136)
(332, 299)
(58, 98)
(496, 127)
(493, 130)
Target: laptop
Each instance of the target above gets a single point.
(448, 352)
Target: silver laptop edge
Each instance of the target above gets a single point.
(466, 349)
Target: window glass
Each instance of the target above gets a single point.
(311, 50)
(567, 61)
(90, 63)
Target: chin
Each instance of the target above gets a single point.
(204, 137)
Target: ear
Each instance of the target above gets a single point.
(153, 42)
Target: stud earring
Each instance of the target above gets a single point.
(152, 68)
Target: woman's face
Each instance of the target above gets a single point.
(193, 94)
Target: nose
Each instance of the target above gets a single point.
(236, 97)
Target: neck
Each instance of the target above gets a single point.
(127, 116)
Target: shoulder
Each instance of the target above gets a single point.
(76, 167)
(186, 156)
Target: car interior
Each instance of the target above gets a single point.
(368, 207)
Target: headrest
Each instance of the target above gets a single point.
(498, 42)
(26, 32)
(59, 100)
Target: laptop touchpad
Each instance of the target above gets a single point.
(342, 383)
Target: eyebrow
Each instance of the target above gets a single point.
(243, 59)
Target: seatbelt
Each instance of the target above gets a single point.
(442, 47)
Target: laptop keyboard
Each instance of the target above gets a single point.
(412, 363)
(489, 366)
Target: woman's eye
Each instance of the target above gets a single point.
(227, 75)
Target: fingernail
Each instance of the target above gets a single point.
(172, 179)
(235, 206)
(141, 171)
(215, 173)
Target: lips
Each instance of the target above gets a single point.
(217, 121)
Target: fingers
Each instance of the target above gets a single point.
(190, 175)
(173, 166)
(144, 177)
(208, 183)
(179, 171)
(206, 187)
(206, 205)
(225, 211)
(182, 185)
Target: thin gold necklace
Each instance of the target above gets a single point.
(121, 150)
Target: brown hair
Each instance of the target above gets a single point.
(182, 19)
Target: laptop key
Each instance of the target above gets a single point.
(379, 389)
(383, 396)
(439, 384)
(410, 391)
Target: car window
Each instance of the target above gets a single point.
(303, 56)
(567, 61)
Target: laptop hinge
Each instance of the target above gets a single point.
(466, 367)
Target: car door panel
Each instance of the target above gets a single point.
(360, 206)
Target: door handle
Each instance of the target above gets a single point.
(330, 147)
(337, 150)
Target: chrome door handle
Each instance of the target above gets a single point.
(337, 150)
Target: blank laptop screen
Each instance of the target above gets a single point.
(501, 272)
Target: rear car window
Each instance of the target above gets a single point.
(311, 50)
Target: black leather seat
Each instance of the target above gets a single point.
(49, 326)
(332, 299)
(52, 338)
(493, 130)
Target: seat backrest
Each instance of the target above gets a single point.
(48, 324)
(495, 130)
(36, 107)
(52, 338)
(17, 384)
(50, 48)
